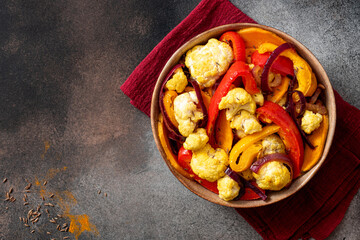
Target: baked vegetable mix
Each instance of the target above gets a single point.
(242, 115)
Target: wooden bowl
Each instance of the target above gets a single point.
(272, 196)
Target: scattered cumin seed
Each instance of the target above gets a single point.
(11, 190)
(47, 211)
(63, 230)
(105, 194)
(32, 231)
(58, 227)
(48, 233)
(66, 237)
(52, 195)
(20, 219)
(5, 179)
(6, 208)
(59, 216)
(52, 220)
(7, 195)
(45, 183)
(64, 225)
(12, 199)
(99, 191)
(35, 220)
(26, 225)
(38, 208)
(49, 204)
(27, 191)
(43, 198)
(26, 203)
(28, 186)
(23, 219)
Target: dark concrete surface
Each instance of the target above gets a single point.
(64, 120)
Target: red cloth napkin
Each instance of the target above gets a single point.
(318, 207)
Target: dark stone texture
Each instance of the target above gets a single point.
(61, 65)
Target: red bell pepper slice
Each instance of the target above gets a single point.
(281, 65)
(288, 132)
(237, 44)
(237, 69)
(184, 159)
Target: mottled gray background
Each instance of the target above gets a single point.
(61, 65)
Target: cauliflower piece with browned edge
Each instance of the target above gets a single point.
(206, 63)
(235, 100)
(310, 121)
(273, 175)
(272, 144)
(246, 122)
(196, 140)
(178, 81)
(186, 112)
(208, 163)
(228, 188)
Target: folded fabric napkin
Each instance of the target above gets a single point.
(317, 208)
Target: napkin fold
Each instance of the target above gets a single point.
(316, 209)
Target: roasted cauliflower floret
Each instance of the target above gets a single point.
(228, 188)
(206, 63)
(273, 176)
(310, 121)
(196, 140)
(272, 144)
(235, 100)
(178, 81)
(186, 112)
(208, 163)
(246, 122)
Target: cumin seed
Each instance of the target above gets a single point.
(5, 179)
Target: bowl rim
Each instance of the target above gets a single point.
(322, 77)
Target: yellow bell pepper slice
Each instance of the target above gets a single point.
(318, 139)
(304, 73)
(248, 156)
(172, 158)
(247, 141)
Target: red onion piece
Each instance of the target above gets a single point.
(201, 102)
(280, 157)
(172, 130)
(265, 74)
